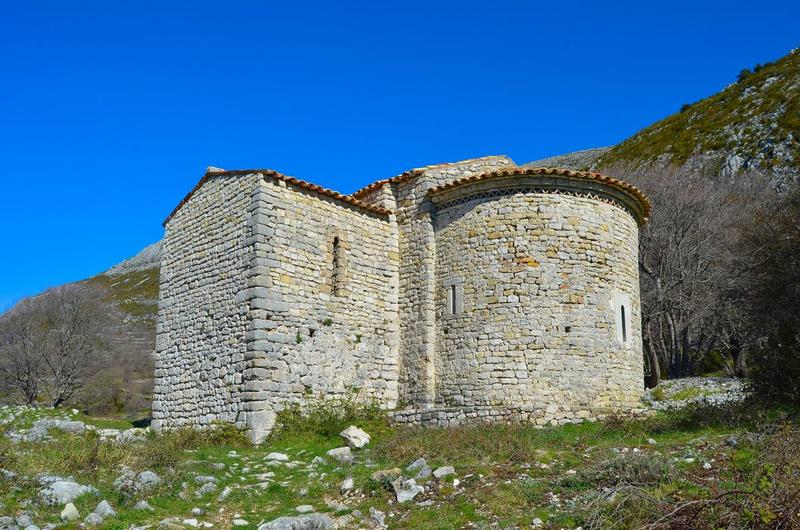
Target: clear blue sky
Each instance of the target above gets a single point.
(112, 110)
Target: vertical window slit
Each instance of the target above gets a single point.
(452, 299)
(335, 263)
(624, 324)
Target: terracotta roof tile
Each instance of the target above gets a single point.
(621, 185)
(415, 172)
(349, 199)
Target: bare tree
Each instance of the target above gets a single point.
(23, 338)
(51, 343)
(689, 275)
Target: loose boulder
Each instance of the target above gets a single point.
(69, 513)
(310, 521)
(342, 455)
(63, 491)
(406, 490)
(355, 437)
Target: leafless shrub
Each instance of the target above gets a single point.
(691, 265)
(51, 343)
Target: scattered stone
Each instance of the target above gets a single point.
(62, 491)
(304, 508)
(303, 492)
(217, 466)
(456, 482)
(194, 523)
(105, 510)
(31, 527)
(204, 479)
(278, 457)
(93, 520)
(143, 506)
(205, 489)
(130, 436)
(385, 476)
(536, 523)
(444, 471)
(318, 460)
(310, 521)
(69, 513)
(406, 490)
(347, 484)
(24, 520)
(224, 493)
(7, 523)
(417, 465)
(342, 455)
(198, 512)
(355, 437)
(240, 522)
(377, 516)
(707, 466)
(652, 441)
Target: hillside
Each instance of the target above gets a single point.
(753, 123)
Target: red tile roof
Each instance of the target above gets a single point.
(621, 185)
(348, 199)
(415, 172)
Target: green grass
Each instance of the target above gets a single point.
(509, 474)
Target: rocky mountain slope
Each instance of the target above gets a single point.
(754, 123)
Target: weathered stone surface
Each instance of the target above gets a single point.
(504, 297)
(444, 471)
(62, 491)
(342, 454)
(93, 519)
(406, 490)
(69, 513)
(355, 437)
(311, 521)
(105, 510)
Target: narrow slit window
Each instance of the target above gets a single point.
(336, 266)
(624, 323)
(453, 294)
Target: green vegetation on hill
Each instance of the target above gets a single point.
(135, 293)
(756, 118)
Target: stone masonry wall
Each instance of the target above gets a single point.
(540, 278)
(202, 319)
(322, 330)
(417, 272)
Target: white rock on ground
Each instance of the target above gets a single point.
(444, 471)
(104, 510)
(311, 521)
(304, 508)
(406, 490)
(62, 491)
(240, 522)
(278, 457)
(93, 520)
(347, 484)
(341, 454)
(355, 437)
(69, 513)
(24, 520)
(143, 506)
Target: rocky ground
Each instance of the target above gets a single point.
(60, 469)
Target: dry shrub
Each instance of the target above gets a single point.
(767, 497)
